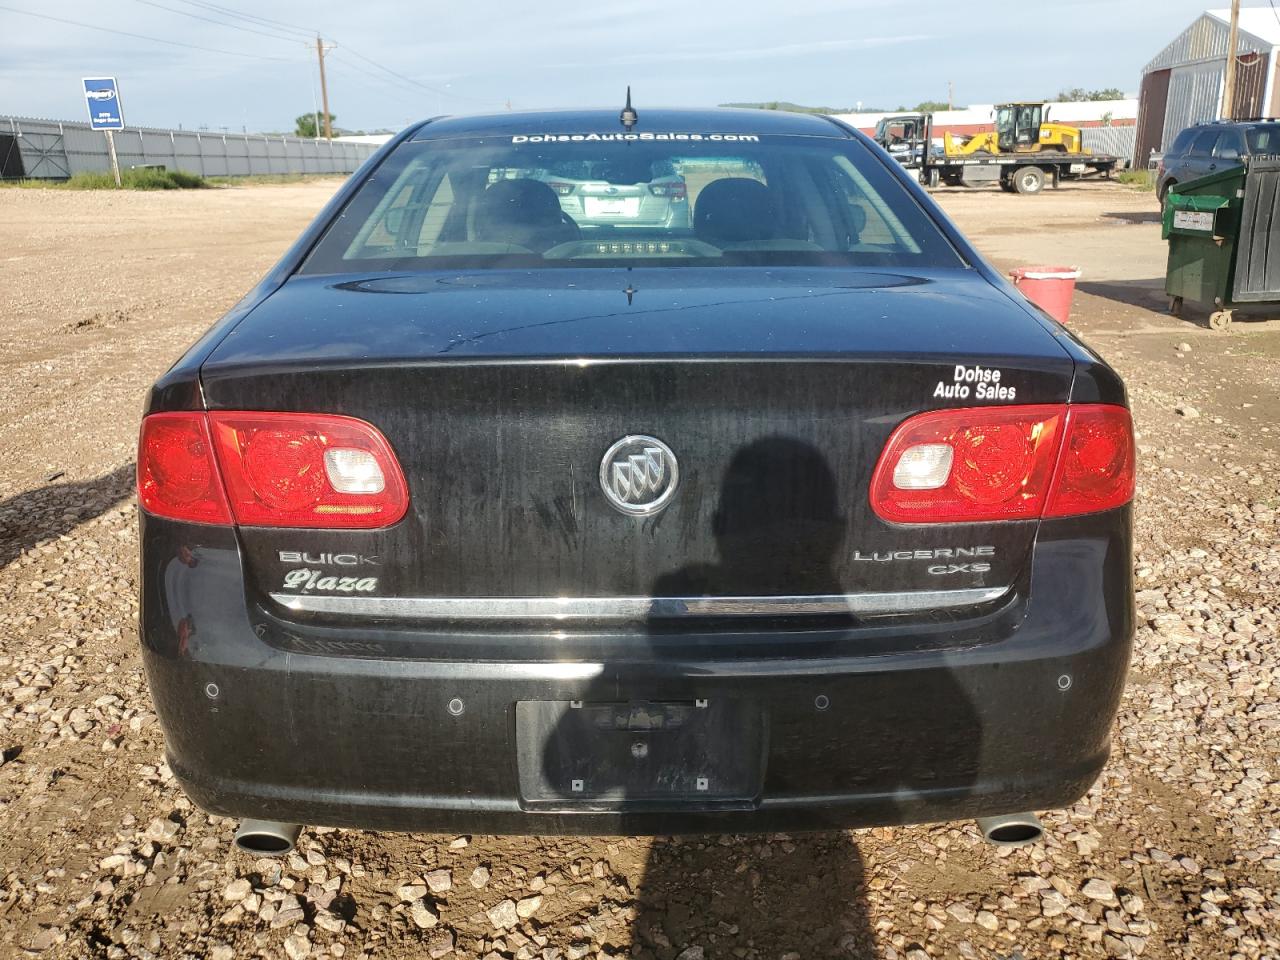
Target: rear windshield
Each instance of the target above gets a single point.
(603, 200)
(1263, 138)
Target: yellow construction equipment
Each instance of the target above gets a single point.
(1020, 128)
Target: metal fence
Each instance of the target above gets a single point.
(50, 149)
(1114, 141)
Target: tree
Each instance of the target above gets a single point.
(306, 124)
(933, 106)
(1076, 94)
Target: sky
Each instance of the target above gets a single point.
(396, 62)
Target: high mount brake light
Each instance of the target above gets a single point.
(270, 470)
(1005, 463)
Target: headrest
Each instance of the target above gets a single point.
(529, 202)
(523, 212)
(733, 210)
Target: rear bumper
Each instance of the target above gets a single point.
(954, 723)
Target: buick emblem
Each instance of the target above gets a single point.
(639, 475)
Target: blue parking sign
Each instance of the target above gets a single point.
(102, 96)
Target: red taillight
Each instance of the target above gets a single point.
(1005, 463)
(991, 463)
(308, 470)
(277, 469)
(674, 191)
(177, 474)
(1097, 468)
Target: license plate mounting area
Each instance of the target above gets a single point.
(576, 754)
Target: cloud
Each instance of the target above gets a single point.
(747, 54)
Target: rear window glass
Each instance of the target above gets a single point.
(1230, 145)
(1263, 138)
(541, 201)
(1203, 145)
(1183, 140)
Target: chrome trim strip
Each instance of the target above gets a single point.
(633, 608)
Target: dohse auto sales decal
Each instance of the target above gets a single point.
(601, 137)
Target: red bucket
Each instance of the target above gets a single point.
(1050, 288)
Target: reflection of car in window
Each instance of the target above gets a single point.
(623, 192)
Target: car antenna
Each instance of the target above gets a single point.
(629, 116)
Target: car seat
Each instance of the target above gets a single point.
(735, 210)
(525, 213)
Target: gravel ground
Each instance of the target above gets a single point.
(1174, 853)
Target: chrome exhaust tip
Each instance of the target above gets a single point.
(1011, 829)
(267, 838)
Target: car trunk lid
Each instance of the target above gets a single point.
(770, 393)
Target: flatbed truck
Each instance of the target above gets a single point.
(1016, 172)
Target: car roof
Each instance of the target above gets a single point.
(1249, 122)
(720, 120)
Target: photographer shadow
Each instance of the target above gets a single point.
(779, 528)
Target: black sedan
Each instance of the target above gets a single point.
(787, 514)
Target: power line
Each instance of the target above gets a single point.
(222, 23)
(364, 71)
(250, 17)
(140, 36)
(416, 83)
(228, 11)
(402, 94)
(387, 75)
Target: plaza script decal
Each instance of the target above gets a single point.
(305, 579)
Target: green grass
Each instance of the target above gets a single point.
(1138, 179)
(129, 180)
(268, 178)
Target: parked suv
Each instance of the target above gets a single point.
(1209, 147)
(618, 194)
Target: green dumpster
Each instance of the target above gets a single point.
(1224, 240)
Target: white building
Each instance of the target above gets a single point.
(981, 116)
(1184, 84)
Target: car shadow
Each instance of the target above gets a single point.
(1135, 216)
(781, 519)
(1147, 294)
(1150, 295)
(783, 895)
(50, 511)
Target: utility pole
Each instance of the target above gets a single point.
(951, 95)
(1229, 87)
(324, 90)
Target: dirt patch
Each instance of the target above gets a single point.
(1173, 853)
